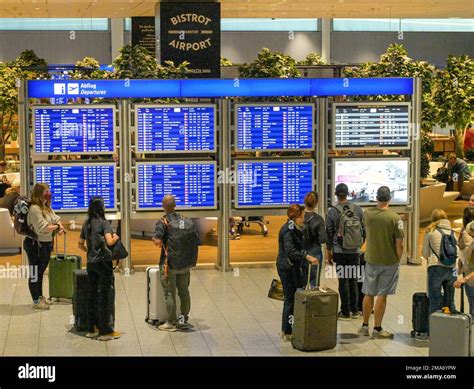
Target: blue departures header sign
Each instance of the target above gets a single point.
(192, 184)
(274, 127)
(273, 184)
(173, 128)
(73, 130)
(220, 87)
(73, 185)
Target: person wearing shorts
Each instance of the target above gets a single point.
(384, 230)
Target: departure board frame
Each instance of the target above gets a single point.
(257, 160)
(206, 105)
(393, 205)
(81, 164)
(138, 209)
(277, 104)
(375, 105)
(77, 106)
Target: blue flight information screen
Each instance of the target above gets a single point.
(273, 183)
(74, 130)
(274, 127)
(192, 184)
(72, 186)
(175, 129)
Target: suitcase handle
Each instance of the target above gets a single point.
(308, 286)
(57, 247)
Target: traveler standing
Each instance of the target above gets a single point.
(43, 222)
(466, 264)
(96, 233)
(468, 214)
(346, 235)
(314, 235)
(440, 273)
(385, 234)
(178, 239)
(291, 258)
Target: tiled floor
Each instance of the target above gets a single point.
(232, 316)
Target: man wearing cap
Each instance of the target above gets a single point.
(384, 230)
(347, 259)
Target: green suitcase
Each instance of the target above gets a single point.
(61, 273)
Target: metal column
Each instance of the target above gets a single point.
(223, 248)
(125, 179)
(416, 166)
(24, 143)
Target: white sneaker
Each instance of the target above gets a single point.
(46, 301)
(382, 334)
(170, 327)
(364, 331)
(285, 337)
(40, 305)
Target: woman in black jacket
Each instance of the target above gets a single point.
(290, 259)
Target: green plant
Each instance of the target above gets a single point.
(89, 69)
(226, 62)
(427, 149)
(312, 59)
(453, 96)
(171, 71)
(395, 62)
(135, 62)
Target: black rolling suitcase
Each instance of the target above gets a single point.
(420, 314)
(79, 301)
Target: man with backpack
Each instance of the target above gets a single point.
(382, 256)
(178, 239)
(346, 235)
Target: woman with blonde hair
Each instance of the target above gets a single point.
(466, 264)
(43, 222)
(440, 276)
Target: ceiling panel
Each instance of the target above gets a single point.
(248, 8)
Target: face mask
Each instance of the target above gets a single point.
(48, 197)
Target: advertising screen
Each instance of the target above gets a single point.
(192, 183)
(273, 184)
(274, 127)
(73, 185)
(371, 125)
(74, 129)
(168, 129)
(365, 176)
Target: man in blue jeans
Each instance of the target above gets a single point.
(347, 260)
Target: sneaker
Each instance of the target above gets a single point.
(422, 337)
(46, 301)
(94, 334)
(342, 317)
(382, 334)
(183, 326)
(40, 305)
(285, 337)
(356, 315)
(111, 336)
(170, 327)
(364, 331)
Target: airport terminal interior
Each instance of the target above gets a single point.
(237, 109)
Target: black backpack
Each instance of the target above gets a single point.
(181, 249)
(442, 174)
(448, 252)
(20, 217)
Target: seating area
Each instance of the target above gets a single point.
(433, 197)
(10, 241)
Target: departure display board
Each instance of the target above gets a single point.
(171, 129)
(273, 184)
(369, 125)
(275, 127)
(74, 129)
(192, 183)
(73, 185)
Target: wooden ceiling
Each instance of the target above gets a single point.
(246, 8)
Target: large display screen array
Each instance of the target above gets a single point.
(74, 130)
(176, 128)
(192, 183)
(378, 126)
(365, 176)
(272, 184)
(274, 127)
(73, 185)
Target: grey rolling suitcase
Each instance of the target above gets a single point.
(157, 311)
(315, 319)
(450, 334)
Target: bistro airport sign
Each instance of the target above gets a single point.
(194, 18)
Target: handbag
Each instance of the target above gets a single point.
(118, 251)
(276, 290)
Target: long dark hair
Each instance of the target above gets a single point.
(96, 208)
